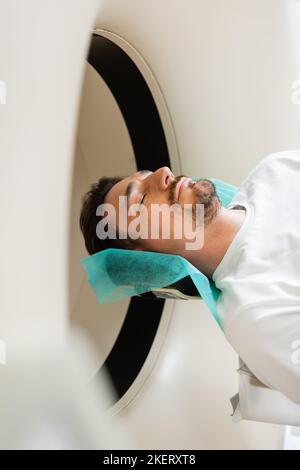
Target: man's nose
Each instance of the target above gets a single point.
(165, 177)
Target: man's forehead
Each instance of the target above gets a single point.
(118, 189)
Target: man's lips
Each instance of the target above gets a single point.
(180, 185)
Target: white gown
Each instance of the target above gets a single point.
(260, 275)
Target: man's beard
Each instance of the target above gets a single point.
(206, 194)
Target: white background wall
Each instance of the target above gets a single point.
(226, 70)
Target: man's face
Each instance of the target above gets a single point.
(162, 187)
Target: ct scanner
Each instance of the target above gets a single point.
(104, 88)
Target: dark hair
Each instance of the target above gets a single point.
(88, 219)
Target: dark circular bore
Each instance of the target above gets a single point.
(143, 122)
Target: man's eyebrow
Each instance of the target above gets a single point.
(131, 186)
(129, 190)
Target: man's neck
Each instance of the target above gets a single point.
(218, 235)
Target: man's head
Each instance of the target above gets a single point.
(146, 188)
